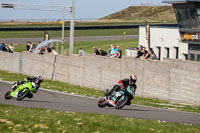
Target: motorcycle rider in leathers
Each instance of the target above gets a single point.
(128, 84)
(36, 81)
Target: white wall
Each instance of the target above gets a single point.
(164, 37)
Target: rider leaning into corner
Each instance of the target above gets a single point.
(128, 84)
(34, 81)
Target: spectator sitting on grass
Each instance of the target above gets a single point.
(4, 48)
(119, 52)
(102, 52)
(32, 47)
(109, 51)
(11, 48)
(152, 55)
(81, 52)
(139, 51)
(145, 54)
(54, 51)
(96, 52)
(42, 50)
(113, 51)
(47, 49)
(1, 46)
(28, 46)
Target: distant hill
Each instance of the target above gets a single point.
(142, 13)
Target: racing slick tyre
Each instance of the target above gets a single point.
(30, 95)
(102, 102)
(7, 95)
(22, 95)
(122, 102)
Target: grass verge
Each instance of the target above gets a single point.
(77, 33)
(41, 120)
(68, 88)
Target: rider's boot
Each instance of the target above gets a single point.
(129, 102)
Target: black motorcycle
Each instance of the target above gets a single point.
(122, 98)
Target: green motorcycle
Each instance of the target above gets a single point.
(23, 90)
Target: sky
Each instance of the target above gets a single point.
(84, 9)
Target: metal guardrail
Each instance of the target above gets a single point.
(81, 27)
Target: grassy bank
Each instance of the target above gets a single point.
(77, 33)
(87, 45)
(68, 88)
(40, 120)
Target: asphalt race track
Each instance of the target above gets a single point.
(65, 102)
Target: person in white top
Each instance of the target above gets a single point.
(81, 52)
(11, 48)
(54, 51)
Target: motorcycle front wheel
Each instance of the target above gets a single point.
(22, 94)
(122, 102)
(7, 96)
(102, 102)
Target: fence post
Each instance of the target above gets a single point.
(54, 65)
(20, 62)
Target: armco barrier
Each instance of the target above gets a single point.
(173, 80)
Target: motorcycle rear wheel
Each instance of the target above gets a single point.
(22, 95)
(102, 102)
(7, 96)
(121, 103)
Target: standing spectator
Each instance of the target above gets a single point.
(152, 55)
(81, 52)
(139, 51)
(145, 54)
(46, 36)
(102, 52)
(54, 51)
(119, 52)
(96, 52)
(11, 48)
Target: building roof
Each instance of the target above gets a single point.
(179, 1)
